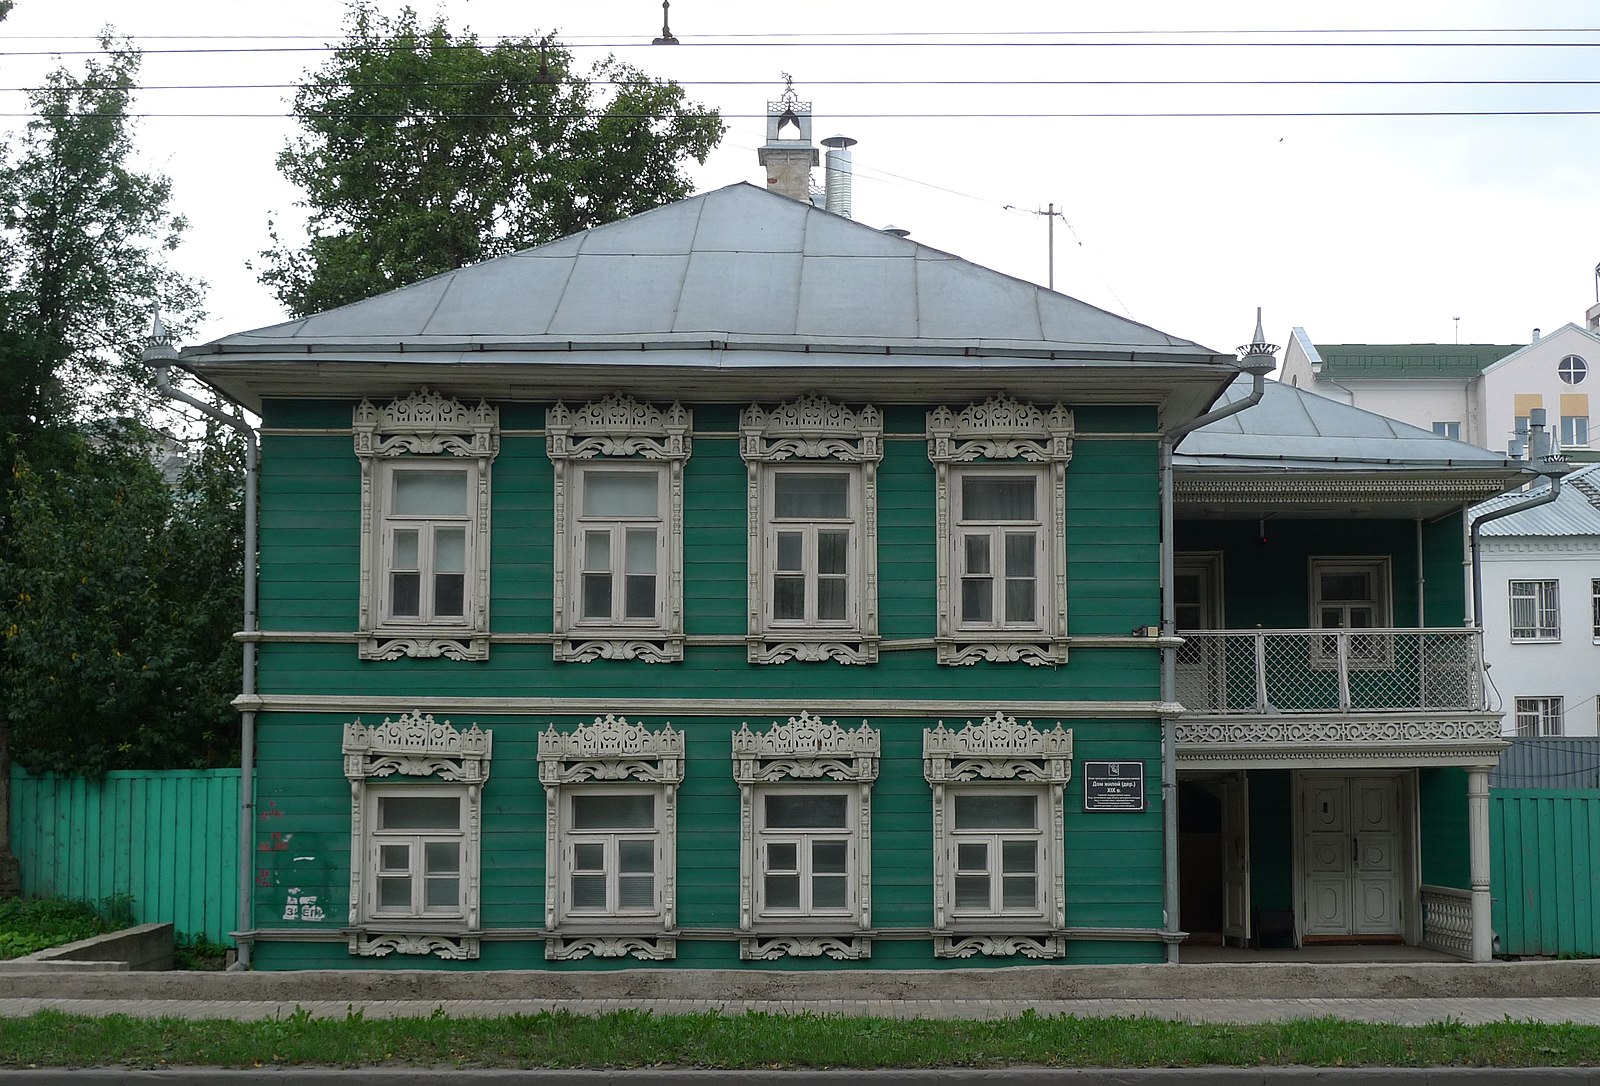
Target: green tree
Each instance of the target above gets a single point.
(82, 243)
(425, 150)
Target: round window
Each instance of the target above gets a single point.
(1572, 369)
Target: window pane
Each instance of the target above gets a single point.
(588, 891)
(405, 550)
(783, 891)
(419, 812)
(597, 552)
(988, 812)
(620, 493)
(977, 599)
(805, 810)
(430, 493)
(1018, 892)
(789, 598)
(441, 857)
(831, 599)
(639, 596)
(636, 857)
(972, 857)
(1018, 857)
(1361, 618)
(394, 893)
(827, 857)
(641, 550)
(405, 595)
(1021, 554)
(589, 856)
(1348, 586)
(1020, 600)
(811, 494)
(636, 892)
(449, 594)
(394, 858)
(791, 551)
(828, 892)
(783, 856)
(833, 551)
(977, 547)
(972, 891)
(614, 812)
(442, 893)
(990, 497)
(450, 550)
(597, 595)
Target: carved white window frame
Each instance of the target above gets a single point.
(614, 756)
(625, 431)
(414, 746)
(806, 755)
(998, 436)
(410, 431)
(813, 432)
(997, 755)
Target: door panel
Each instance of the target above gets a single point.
(1236, 859)
(1350, 855)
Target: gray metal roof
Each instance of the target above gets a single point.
(1293, 429)
(1576, 510)
(735, 267)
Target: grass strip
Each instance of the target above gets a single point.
(628, 1039)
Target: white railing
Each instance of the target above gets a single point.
(1447, 920)
(1273, 672)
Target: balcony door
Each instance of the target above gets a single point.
(1197, 605)
(1351, 856)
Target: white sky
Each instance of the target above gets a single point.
(1362, 229)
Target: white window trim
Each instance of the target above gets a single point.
(997, 436)
(416, 431)
(611, 755)
(1536, 588)
(992, 756)
(812, 431)
(1325, 653)
(415, 745)
(807, 755)
(1594, 606)
(1548, 714)
(1450, 428)
(626, 432)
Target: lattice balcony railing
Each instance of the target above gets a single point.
(1274, 672)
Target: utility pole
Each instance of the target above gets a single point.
(1050, 216)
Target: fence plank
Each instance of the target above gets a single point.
(1545, 851)
(166, 839)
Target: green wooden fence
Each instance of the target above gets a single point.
(1545, 867)
(169, 839)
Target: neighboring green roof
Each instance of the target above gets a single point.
(1411, 360)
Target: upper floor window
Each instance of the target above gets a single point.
(425, 463)
(1535, 610)
(618, 552)
(414, 843)
(813, 546)
(1451, 430)
(1351, 594)
(1594, 604)
(1573, 369)
(1574, 431)
(1538, 717)
(805, 868)
(611, 791)
(1000, 476)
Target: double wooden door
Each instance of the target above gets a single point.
(1351, 855)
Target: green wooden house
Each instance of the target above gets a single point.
(740, 586)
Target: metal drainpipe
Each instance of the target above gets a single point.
(1257, 362)
(159, 352)
(1547, 468)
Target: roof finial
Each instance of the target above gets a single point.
(1257, 345)
(158, 344)
(666, 31)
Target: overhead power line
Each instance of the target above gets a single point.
(1078, 115)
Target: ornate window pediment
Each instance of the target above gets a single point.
(611, 816)
(415, 840)
(813, 530)
(425, 468)
(1000, 474)
(619, 528)
(805, 869)
(998, 837)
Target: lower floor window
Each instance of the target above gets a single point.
(416, 854)
(804, 852)
(613, 850)
(1538, 716)
(996, 853)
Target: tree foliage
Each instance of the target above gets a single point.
(425, 150)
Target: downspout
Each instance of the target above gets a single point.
(159, 353)
(1547, 467)
(1256, 360)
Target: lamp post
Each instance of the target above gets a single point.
(159, 353)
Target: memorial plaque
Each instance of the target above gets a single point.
(1113, 786)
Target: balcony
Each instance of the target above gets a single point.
(1321, 697)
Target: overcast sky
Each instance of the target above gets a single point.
(1360, 228)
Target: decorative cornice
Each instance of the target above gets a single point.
(811, 427)
(426, 423)
(999, 946)
(666, 650)
(385, 647)
(449, 947)
(611, 749)
(956, 652)
(769, 948)
(618, 426)
(765, 650)
(652, 948)
(997, 749)
(416, 746)
(807, 749)
(1233, 489)
(1000, 428)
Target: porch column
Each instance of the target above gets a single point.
(1478, 841)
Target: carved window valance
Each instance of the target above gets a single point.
(610, 761)
(994, 439)
(812, 435)
(997, 749)
(403, 436)
(618, 428)
(805, 748)
(416, 745)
